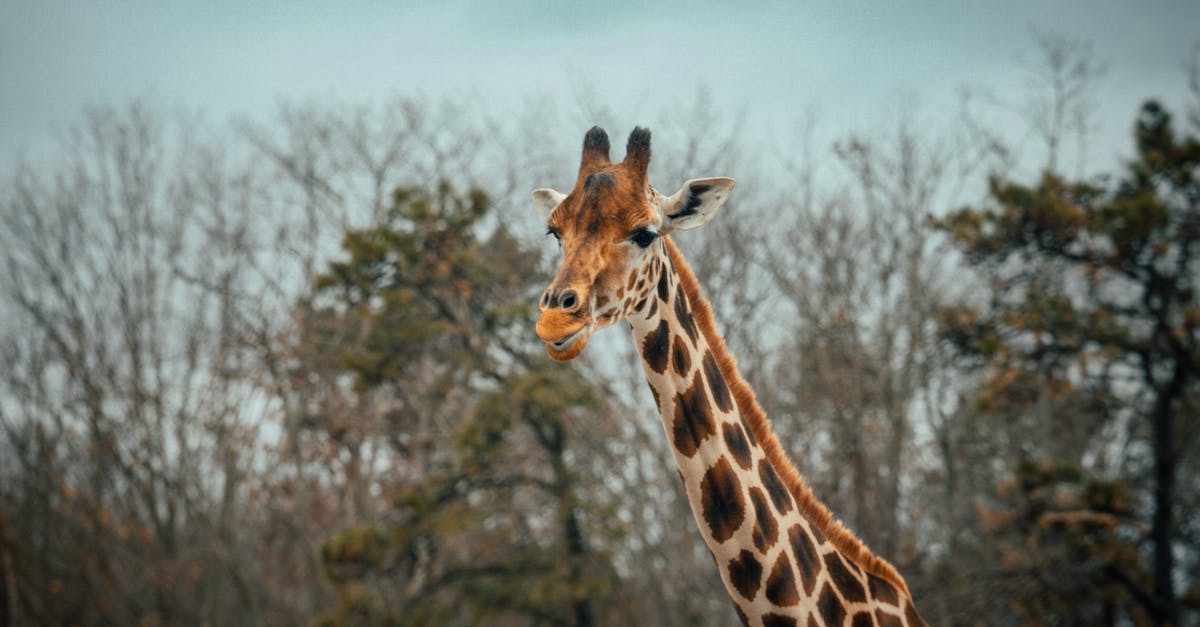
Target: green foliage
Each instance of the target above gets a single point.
(353, 552)
(545, 397)
(1078, 271)
(422, 286)
(1093, 315)
(1060, 538)
(493, 529)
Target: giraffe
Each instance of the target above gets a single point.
(783, 559)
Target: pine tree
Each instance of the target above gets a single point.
(1094, 321)
(491, 525)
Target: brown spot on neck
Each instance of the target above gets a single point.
(735, 441)
(745, 573)
(683, 315)
(693, 422)
(716, 382)
(851, 588)
(806, 557)
(656, 347)
(883, 591)
(766, 529)
(781, 585)
(680, 358)
(721, 501)
(830, 606)
(775, 487)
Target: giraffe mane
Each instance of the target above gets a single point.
(842, 539)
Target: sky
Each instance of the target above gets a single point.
(852, 63)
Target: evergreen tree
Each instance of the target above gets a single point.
(490, 526)
(1093, 322)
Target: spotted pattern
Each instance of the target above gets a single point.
(766, 528)
(716, 381)
(762, 567)
(775, 488)
(656, 346)
(694, 421)
(683, 316)
(735, 441)
(882, 590)
(680, 359)
(781, 583)
(820, 537)
(745, 573)
(664, 288)
(795, 573)
(721, 500)
(749, 432)
(845, 581)
(806, 557)
(830, 607)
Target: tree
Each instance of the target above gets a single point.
(1058, 102)
(486, 519)
(1093, 317)
(1057, 536)
(862, 276)
(127, 423)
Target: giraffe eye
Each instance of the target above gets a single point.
(643, 237)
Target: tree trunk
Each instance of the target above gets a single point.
(1162, 529)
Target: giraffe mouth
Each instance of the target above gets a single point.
(565, 334)
(569, 347)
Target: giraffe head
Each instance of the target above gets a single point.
(609, 227)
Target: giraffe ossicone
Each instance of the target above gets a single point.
(783, 559)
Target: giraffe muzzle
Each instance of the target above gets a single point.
(565, 334)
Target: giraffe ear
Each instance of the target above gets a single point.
(546, 199)
(696, 202)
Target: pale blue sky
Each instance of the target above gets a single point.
(849, 61)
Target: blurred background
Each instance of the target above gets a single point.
(268, 277)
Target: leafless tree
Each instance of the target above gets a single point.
(1058, 102)
(127, 405)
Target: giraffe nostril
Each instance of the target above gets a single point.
(569, 300)
(545, 299)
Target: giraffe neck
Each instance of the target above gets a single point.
(781, 556)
